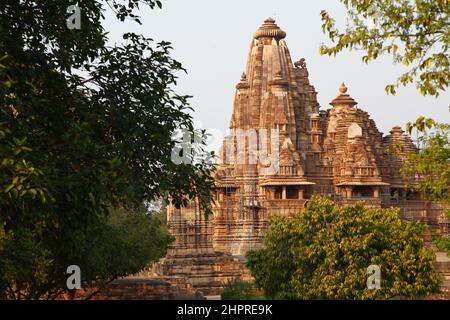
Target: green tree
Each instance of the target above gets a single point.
(431, 166)
(124, 242)
(324, 253)
(127, 241)
(416, 34)
(85, 128)
(240, 290)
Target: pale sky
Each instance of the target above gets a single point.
(211, 39)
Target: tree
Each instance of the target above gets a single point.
(85, 128)
(124, 242)
(127, 241)
(416, 34)
(431, 165)
(240, 290)
(324, 253)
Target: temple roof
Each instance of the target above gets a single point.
(362, 183)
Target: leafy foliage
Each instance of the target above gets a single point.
(125, 243)
(324, 253)
(240, 290)
(432, 164)
(84, 128)
(121, 244)
(443, 243)
(416, 34)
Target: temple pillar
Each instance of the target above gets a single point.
(348, 192)
(376, 192)
(283, 193)
(270, 191)
(300, 193)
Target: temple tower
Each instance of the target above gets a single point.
(355, 147)
(264, 157)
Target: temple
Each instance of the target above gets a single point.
(283, 149)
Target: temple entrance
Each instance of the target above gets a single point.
(291, 192)
(287, 193)
(362, 192)
(278, 193)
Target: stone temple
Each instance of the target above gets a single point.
(282, 149)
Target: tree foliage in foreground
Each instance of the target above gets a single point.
(240, 290)
(324, 253)
(124, 242)
(85, 128)
(416, 33)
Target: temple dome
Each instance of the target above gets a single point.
(269, 29)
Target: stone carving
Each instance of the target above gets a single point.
(301, 63)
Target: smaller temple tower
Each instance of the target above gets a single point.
(354, 152)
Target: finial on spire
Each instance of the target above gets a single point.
(343, 99)
(397, 130)
(343, 89)
(269, 29)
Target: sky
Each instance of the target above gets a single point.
(211, 39)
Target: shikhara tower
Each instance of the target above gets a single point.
(273, 97)
(281, 150)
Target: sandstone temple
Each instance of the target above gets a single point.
(282, 149)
